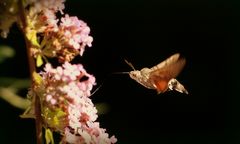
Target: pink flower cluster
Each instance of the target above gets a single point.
(40, 14)
(64, 39)
(45, 5)
(69, 40)
(64, 91)
(67, 89)
(76, 33)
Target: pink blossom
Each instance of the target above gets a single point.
(63, 89)
(65, 40)
(76, 32)
(49, 21)
(42, 5)
(42, 15)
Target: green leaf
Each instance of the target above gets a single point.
(60, 113)
(32, 37)
(37, 78)
(6, 52)
(16, 83)
(9, 95)
(102, 108)
(39, 61)
(57, 117)
(49, 136)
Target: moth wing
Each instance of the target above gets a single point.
(171, 70)
(159, 80)
(167, 62)
(161, 76)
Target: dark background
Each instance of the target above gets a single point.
(145, 33)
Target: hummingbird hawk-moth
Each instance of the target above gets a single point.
(162, 76)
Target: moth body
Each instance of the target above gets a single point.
(162, 76)
(142, 77)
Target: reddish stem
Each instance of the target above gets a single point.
(32, 68)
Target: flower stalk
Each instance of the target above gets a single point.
(32, 69)
(59, 95)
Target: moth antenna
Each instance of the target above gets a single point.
(130, 64)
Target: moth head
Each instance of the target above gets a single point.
(134, 74)
(173, 84)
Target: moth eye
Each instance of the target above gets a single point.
(172, 82)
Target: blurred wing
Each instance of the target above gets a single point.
(170, 70)
(159, 81)
(161, 76)
(168, 61)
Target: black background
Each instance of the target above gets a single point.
(145, 33)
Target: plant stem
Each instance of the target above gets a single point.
(32, 68)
